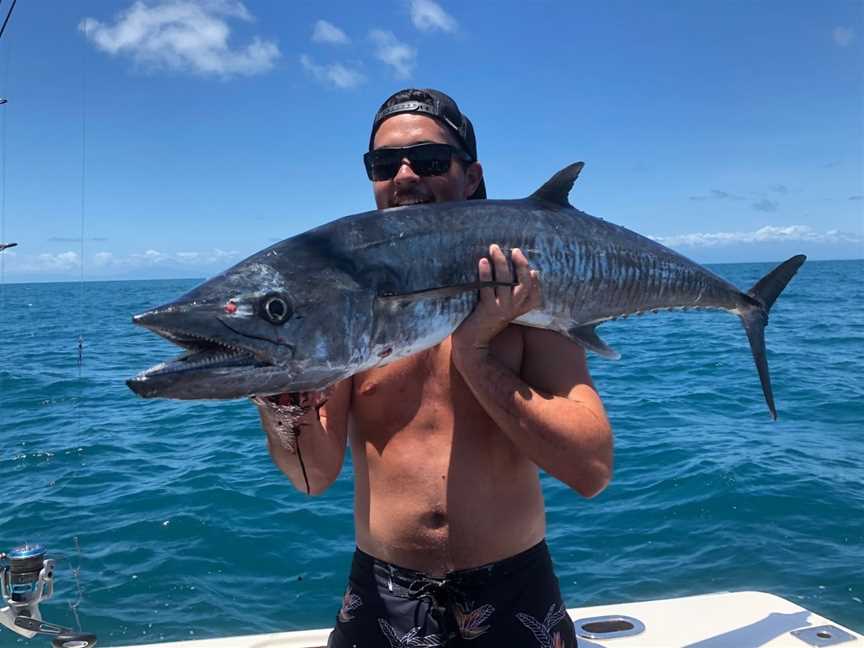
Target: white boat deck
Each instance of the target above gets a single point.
(723, 620)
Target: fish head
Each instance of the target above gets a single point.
(259, 330)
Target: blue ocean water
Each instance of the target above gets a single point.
(178, 526)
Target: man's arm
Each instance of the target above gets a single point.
(551, 411)
(320, 444)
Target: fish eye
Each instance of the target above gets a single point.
(275, 309)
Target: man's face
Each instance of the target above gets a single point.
(406, 187)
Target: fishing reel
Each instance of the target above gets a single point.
(27, 579)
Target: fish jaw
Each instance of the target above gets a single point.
(181, 379)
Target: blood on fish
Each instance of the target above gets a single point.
(230, 308)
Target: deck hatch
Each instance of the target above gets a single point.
(824, 635)
(608, 627)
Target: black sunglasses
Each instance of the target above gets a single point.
(428, 159)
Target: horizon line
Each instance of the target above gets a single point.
(203, 278)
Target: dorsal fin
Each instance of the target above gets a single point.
(558, 187)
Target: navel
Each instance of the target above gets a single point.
(436, 519)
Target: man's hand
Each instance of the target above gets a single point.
(499, 306)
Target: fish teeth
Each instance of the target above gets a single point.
(204, 338)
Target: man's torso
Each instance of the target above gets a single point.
(438, 486)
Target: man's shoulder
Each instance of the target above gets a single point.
(546, 338)
(553, 362)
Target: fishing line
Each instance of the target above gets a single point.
(5, 109)
(3, 172)
(76, 571)
(83, 198)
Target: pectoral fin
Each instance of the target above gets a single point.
(443, 291)
(588, 338)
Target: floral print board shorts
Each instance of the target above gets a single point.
(514, 603)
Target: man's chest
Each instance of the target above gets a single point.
(424, 390)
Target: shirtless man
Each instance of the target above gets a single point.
(447, 444)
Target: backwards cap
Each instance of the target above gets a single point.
(439, 106)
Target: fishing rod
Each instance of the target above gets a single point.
(26, 580)
(8, 16)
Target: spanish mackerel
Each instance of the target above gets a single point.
(370, 288)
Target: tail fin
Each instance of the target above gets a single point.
(754, 316)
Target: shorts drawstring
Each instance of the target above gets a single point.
(441, 594)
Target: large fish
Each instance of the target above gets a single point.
(371, 288)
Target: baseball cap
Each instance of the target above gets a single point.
(437, 105)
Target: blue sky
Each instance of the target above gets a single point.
(207, 129)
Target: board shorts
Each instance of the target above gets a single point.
(515, 602)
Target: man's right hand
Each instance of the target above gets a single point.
(316, 465)
(288, 414)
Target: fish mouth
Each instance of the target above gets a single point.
(201, 354)
(206, 354)
(205, 371)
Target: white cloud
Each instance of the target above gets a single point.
(62, 262)
(106, 264)
(843, 36)
(326, 32)
(155, 257)
(767, 234)
(220, 255)
(183, 35)
(401, 57)
(428, 16)
(103, 260)
(334, 74)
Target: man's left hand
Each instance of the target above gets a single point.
(501, 305)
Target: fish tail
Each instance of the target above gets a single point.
(754, 315)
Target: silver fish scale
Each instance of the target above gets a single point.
(591, 270)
